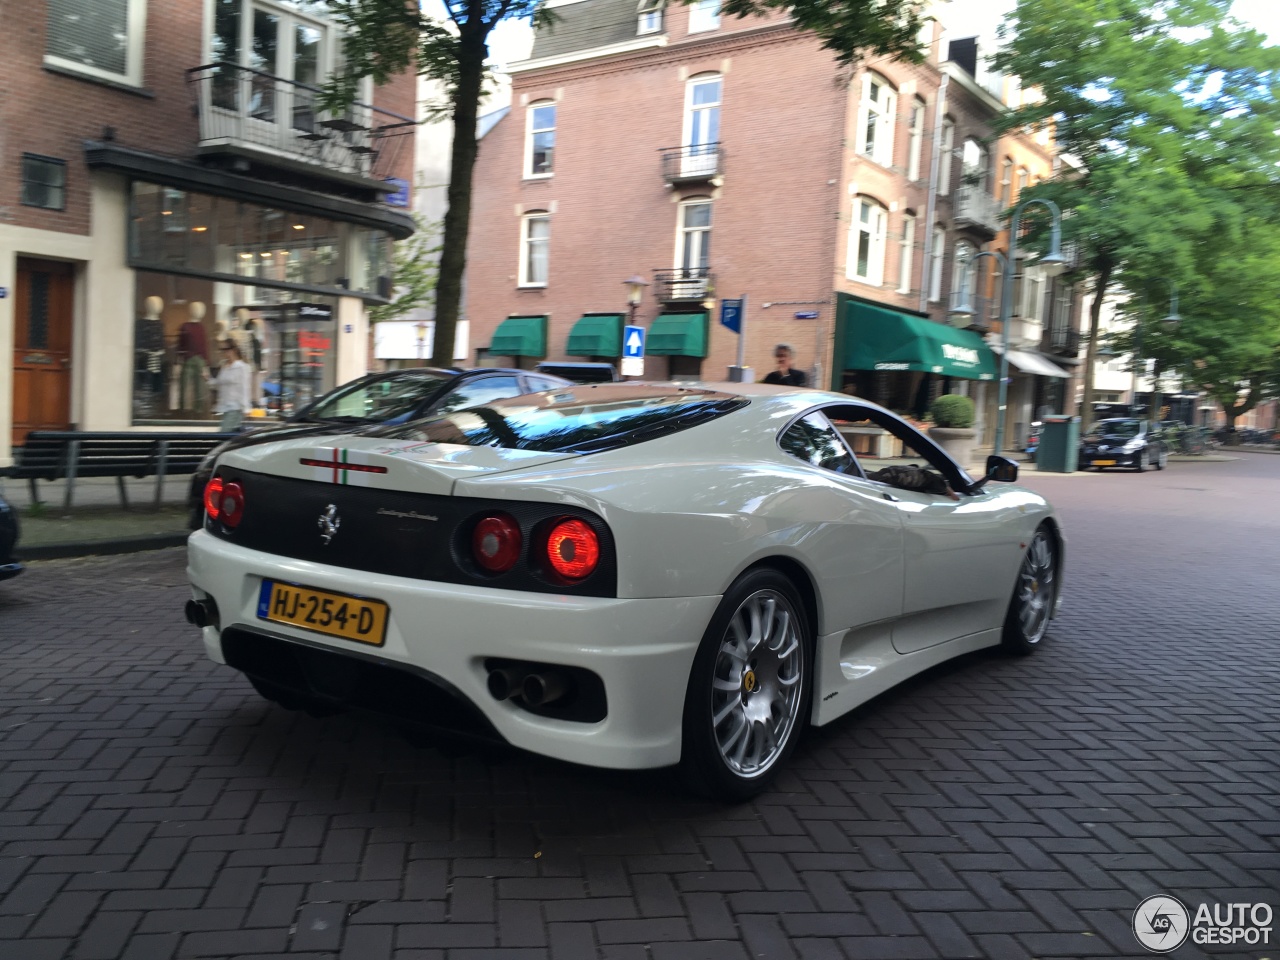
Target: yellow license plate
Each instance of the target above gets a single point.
(334, 614)
(1104, 463)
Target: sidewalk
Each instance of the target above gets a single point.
(97, 523)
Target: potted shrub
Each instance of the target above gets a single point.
(952, 429)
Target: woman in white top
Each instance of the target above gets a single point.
(233, 384)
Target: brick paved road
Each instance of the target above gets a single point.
(151, 806)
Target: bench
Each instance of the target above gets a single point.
(72, 454)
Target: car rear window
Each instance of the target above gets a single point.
(573, 419)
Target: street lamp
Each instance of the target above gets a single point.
(1053, 264)
(635, 290)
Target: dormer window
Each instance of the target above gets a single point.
(650, 17)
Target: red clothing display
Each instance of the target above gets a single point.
(192, 341)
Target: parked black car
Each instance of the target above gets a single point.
(9, 567)
(378, 399)
(1124, 442)
(580, 372)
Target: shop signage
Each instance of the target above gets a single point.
(960, 354)
(315, 311)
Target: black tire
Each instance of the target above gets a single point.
(777, 683)
(1140, 464)
(1035, 591)
(1162, 458)
(290, 700)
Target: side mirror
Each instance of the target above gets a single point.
(1001, 469)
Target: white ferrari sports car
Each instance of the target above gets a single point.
(624, 575)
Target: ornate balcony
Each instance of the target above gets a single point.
(1061, 341)
(266, 119)
(683, 285)
(692, 164)
(977, 210)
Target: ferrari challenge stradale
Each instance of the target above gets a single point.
(622, 575)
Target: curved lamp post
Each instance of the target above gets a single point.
(1053, 263)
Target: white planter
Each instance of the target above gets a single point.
(957, 441)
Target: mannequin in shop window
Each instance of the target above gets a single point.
(193, 359)
(241, 319)
(148, 352)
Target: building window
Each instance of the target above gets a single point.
(936, 256)
(906, 253)
(945, 157)
(962, 279)
(1006, 182)
(540, 141)
(704, 15)
(650, 16)
(99, 38)
(693, 243)
(701, 125)
(535, 240)
(875, 119)
(973, 164)
(867, 242)
(917, 139)
(44, 182)
(1033, 290)
(1023, 177)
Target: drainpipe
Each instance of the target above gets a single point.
(931, 208)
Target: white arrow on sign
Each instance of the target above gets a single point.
(634, 343)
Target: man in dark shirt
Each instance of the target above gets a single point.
(785, 376)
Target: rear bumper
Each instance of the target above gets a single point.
(641, 649)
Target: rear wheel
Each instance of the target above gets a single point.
(749, 690)
(1140, 462)
(1034, 594)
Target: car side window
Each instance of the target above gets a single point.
(814, 440)
(477, 392)
(537, 384)
(891, 452)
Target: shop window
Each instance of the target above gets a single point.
(44, 182)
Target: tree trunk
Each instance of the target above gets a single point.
(472, 52)
(1091, 351)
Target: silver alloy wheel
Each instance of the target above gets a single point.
(1036, 588)
(756, 683)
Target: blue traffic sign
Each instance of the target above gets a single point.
(731, 314)
(399, 197)
(633, 342)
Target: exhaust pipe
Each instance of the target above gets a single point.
(505, 683)
(540, 689)
(202, 613)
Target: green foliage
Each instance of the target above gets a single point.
(415, 268)
(952, 410)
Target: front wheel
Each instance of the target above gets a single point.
(749, 690)
(1034, 594)
(1162, 458)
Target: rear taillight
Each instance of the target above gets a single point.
(495, 543)
(573, 549)
(213, 498)
(232, 504)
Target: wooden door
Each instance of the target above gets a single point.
(42, 347)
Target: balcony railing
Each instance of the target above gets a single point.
(683, 284)
(1062, 341)
(701, 161)
(265, 117)
(977, 209)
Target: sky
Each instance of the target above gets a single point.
(512, 40)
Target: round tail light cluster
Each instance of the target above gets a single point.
(573, 549)
(495, 543)
(224, 501)
(569, 547)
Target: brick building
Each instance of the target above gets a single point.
(168, 178)
(717, 157)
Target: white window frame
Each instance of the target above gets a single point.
(693, 163)
(937, 254)
(1024, 180)
(704, 15)
(916, 138)
(906, 252)
(530, 131)
(880, 117)
(870, 221)
(527, 242)
(982, 170)
(136, 25)
(684, 234)
(649, 17)
(960, 261)
(1033, 294)
(945, 157)
(1006, 182)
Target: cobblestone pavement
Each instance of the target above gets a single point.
(151, 806)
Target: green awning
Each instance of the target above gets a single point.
(878, 338)
(596, 335)
(520, 337)
(677, 335)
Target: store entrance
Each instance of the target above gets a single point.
(43, 302)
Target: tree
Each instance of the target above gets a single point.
(1146, 96)
(415, 265)
(386, 37)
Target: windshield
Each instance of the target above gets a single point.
(573, 420)
(377, 401)
(1119, 429)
